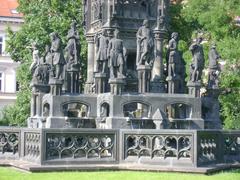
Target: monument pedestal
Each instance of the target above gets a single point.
(211, 109)
(42, 88)
(89, 88)
(73, 81)
(144, 77)
(116, 85)
(55, 86)
(158, 86)
(100, 82)
(194, 88)
(173, 84)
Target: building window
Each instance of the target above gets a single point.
(1, 81)
(1, 45)
(17, 86)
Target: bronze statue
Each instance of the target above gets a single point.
(198, 60)
(58, 57)
(116, 57)
(213, 57)
(73, 47)
(174, 56)
(214, 68)
(145, 44)
(102, 48)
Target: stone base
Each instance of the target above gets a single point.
(73, 85)
(36, 122)
(32, 167)
(66, 122)
(144, 77)
(56, 86)
(89, 88)
(158, 86)
(117, 85)
(187, 124)
(41, 88)
(55, 122)
(57, 149)
(100, 82)
(212, 124)
(194, 88)
(80, 123)
(112, 123)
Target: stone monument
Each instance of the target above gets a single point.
(126, 86)
(130, 116)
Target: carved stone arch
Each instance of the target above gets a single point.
(76, 109)
(178, 110)
(136, 109)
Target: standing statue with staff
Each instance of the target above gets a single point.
(197, 60)
(145, 44)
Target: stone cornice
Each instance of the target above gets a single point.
(11, 20)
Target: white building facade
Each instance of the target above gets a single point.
(8, 83)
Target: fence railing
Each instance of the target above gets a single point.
(190, 148)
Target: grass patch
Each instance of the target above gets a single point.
(7, 173)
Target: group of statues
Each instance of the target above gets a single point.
(56, 61)
(111, 53)
(175, 66)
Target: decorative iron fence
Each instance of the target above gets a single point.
(9, 143)
(190, 148)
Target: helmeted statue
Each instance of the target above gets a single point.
(116, 61)
(73, 48)
(214, 69)
(197, 60)
(58, 57)
(102, 48)
(174, 56)
(145, 44)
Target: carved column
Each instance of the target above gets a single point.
(73, 81)
(144, 77)
(90, 66)
(158, 80)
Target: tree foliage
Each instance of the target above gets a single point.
(41, 17)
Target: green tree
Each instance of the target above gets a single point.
(41, 17)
